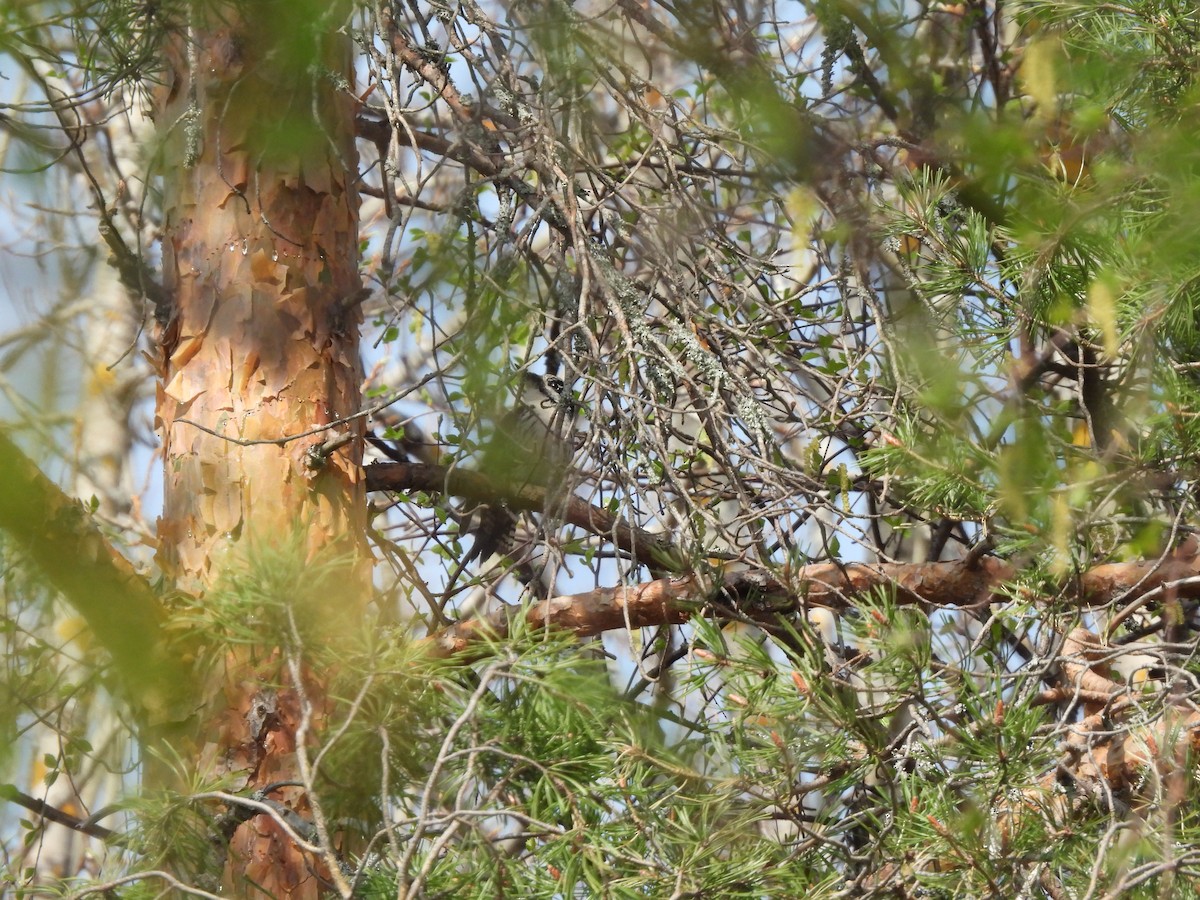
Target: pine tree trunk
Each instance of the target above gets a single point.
(260, 255)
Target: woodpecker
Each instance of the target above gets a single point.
(533, 444)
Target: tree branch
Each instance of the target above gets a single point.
(672, 601)
(656, 551)
(56, 815)
(117, 603)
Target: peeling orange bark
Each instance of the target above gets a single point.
(259, 355)
(260, 256)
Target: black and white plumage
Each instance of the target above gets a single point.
(533, 444)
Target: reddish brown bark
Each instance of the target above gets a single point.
(260, 354)
(657, 603)
(260, 257)
(829, 585)
(671, 601)
(1128, 740)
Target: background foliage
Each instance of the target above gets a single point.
(832, 282)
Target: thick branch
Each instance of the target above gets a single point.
(667, 600)
(118, 605)
(436, 73)
(1118, 743)
(674, 600)
(1095, 752)
(828, 585)
(372, 124)
(654, 550)
(58, 816)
